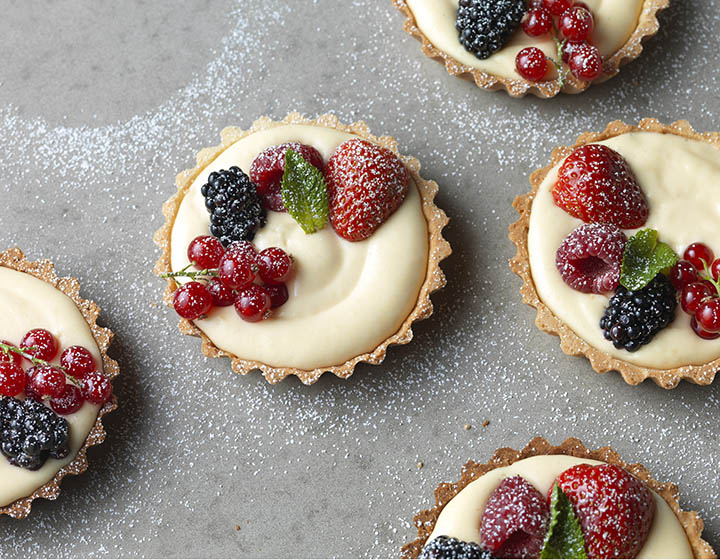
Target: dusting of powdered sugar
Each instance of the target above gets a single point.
(200, 462)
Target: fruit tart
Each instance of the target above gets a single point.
(540, 47)
(55, 381)
(563, 501)
(616, 246)
(300, 247)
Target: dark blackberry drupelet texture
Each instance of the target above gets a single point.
(632, 319)
(450, 547)
(30, 433)
(236, 210)
(485, 26)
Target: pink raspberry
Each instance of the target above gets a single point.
(590, 258)
(515, 520)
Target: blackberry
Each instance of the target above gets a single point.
(632, 319)
(236, 210)
(450, 547)
(485, 26)
(30, 433)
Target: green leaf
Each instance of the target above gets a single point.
(564, 538)
(304, 193)
(644, 258)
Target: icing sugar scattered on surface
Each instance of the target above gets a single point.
(327, 470)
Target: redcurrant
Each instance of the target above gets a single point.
(708, 315)
(692, 296)
(585, 62)
(245, 251)
(40, 343)
(537, 21)
(557, 7)
(96, 388)
(222, 295)
(205, 251)
(78, 361)
(12, 379)
(192, 301)
(531, 64)
(10, 357)
(576, 24)
(696, 253)
(69, 402)
(703, 333)
(682, 274)
(48, 381)
(278, 294)
(714, 270)
(252, 303)
(235, 271)
(274, 265)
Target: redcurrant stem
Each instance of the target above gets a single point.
(8, 348)
(185, 273)
(562, 72)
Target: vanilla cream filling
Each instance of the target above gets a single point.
(345, 298)
(29, 303)
(615, 21)
(681, 181)
(462, 515)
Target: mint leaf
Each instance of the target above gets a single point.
(644, 257)
(304, 193)
(564, 538)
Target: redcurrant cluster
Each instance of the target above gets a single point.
(572, 24)
(229, 277)
(65, 387)
(697, 277)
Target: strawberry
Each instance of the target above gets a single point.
(614, 508)
(366, 184)
(595, 184)
(515, 520)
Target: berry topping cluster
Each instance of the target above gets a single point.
(227, 277)
(697, 277)
(598, 511)
(571, 24)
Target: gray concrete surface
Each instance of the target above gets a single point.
(102, 103)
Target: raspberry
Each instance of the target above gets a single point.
(192, 301)
(78, 361)
(69, 402)
(267, 171)
(205, 252)
(614, 508)
(12, 379)
(450, 547)
(40, 343)
(10, 357)
(590, 258)
(274, 265)
(96, 388)
(531, 63)
(366, 184)
(486, 26)
(48, 381)
(252, 303)
(595, 184)
(515, 520)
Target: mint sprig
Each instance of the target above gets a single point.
(304, 193)
(564, 538)
(644, 258)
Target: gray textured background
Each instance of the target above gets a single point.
(102, 103)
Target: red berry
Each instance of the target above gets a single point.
(595, 184)
(585, 62)
(235, 271)
(222, 295)
(267, 171)
(40, 343)
(97, 388)
(590, 258)
(615, 510)
(715, 269)
(568, 49)
(192, 301)
(245, 251)
(557, 7)
(576, 24)
(69, 402)
(78, 361)
(48, 381)
(703, 333)
(12, 379)
(29, 392)
(366, 184)
(537, 21)
(10, 357)
(531, 63)
(274, 265)
(252, 303)
(708, 315)
(682, 274)
(278, 294)
(582, 5)
(205, 251)
(693, 295)
(515, 520)
(696, 253)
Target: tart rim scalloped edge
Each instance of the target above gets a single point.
(438, 249)
(647, 26)
(505, 456)
(546, 320)
(44, 270)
